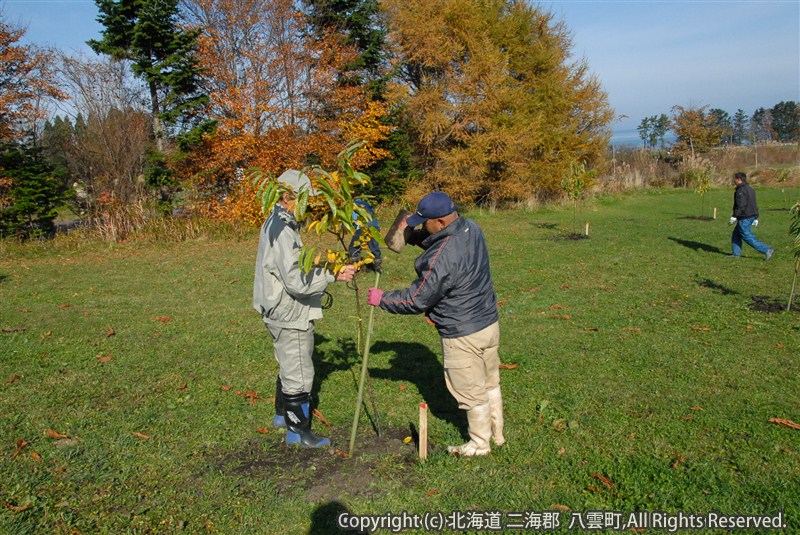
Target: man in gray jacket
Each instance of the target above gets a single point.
(289, 302)
(454, 290)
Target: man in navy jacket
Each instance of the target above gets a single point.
(454, 290)
(745, 216)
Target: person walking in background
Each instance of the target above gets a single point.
(354, 250)
(745, 217)
(454, 290)
(289, 302)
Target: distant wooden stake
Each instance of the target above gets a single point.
(715, 213)
(423, 431)
(586, 230)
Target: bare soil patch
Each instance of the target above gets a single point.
(765, 303)
(325, 474)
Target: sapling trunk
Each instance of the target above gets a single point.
(359, 350)
(794, 284)
(364, 363)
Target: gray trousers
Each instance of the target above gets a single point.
(293, 350)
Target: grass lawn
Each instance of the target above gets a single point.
(136, 383)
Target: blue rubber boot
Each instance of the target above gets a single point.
(298, 422)
(279, 420)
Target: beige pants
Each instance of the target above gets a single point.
(471, 366)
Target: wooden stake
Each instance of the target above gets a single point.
(586, 229)
(715, 213)
(423, 431)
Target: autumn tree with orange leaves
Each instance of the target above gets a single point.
(29, 194)
(26, 82)
(276, 101)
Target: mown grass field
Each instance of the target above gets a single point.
(645, 382)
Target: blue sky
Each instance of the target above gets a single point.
(649, 55)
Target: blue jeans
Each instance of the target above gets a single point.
(374, 248)
(743, 231)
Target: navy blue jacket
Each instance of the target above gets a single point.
(744, 202)
(454, 286)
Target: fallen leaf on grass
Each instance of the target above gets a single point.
(561, 316)
(341, 453)
(36, 457)
(785, 423)
(24, 310)
(696, 408)
(225, 388)
(432, 492)
(262, 430)
(54, 434)
(162, 319)
(679, 461)
(140, 435)
(13, 379)
(111, 332)
(591, 329)
(565, 286)
(603, 479)
(85, 314)
(322, 419)
(407, 440)
(403, 388)
(21, 443)
(562, 451)
(688, 417)
(15, 508)
(233, 281)
(560, 507)
(593, 488)
(779, 346)
(184, 388)
(556, 307)
(500, 303)
(48, 334)
(13, 329)
(252, 395)
(102, 359)
(64, 305)
(701, 328)
(508, 366)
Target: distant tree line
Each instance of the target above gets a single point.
(483, 100)
(707, 128)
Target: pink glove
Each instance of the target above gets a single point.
(374, 296)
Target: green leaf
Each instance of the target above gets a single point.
(301, 205)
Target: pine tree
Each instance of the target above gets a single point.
(162, 54)
(31, 194)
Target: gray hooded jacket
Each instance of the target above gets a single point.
(284, 295)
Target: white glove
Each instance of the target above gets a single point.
(732, 221)
(755, 223)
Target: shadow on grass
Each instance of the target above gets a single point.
(711, 285)
(415, 363)
(698, 246)
(325, 519)
(344, 357)
(2, 278)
